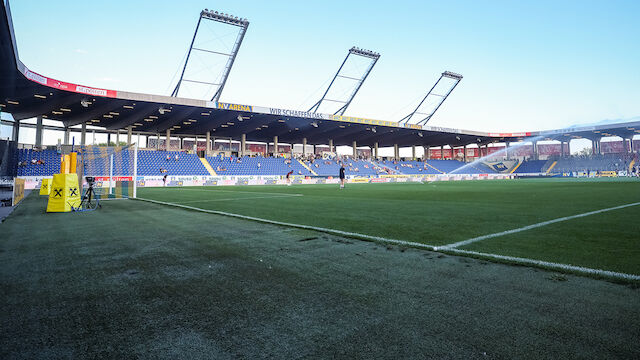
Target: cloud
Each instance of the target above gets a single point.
(81, 51)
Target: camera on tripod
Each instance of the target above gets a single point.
(90, 180)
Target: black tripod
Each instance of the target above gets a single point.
(89, 200)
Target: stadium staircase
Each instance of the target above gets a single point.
(307, 167)
(516, 167)
(434, 168)
(207, 166)
(553, 164)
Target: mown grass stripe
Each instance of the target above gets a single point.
(500, 258)
(532, 226)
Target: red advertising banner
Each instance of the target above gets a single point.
(523, 150)
(495, 149)
(35, 77)
(614, 147)
(552, 149)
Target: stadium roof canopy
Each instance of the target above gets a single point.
(26, 94)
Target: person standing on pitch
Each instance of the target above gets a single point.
(341, 176)
(289, 178)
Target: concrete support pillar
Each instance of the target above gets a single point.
(396, 152)
(67, 133)
(330, 145)
(426, 153)
(464, 153)
(129, 134)
(117, 137)
(158, 141)
(207, 148)
(243, 144)
(108, 139)
(536, 156)
(230, 144)
(598, 145)
(39, 132)
(630, 144)
(16, 131)
(375, 150)
(275, 145)
(506, 150)
(83, 134)
(167, 140)
(413, 152)
(304, 146)
(442, 152)
(355, 149)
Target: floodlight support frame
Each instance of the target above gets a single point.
(447, 74)
(243, 24)
(356, 52)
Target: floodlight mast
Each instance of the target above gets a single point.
(206, 14)
(428, 116)
(374, 56)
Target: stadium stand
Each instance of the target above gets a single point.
(33, 162)
(256, 166)
(606, 162)
(530, 167)
(164, 162)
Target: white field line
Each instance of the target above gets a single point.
(545, 264)
(533, 226)
(522, 261)
(230, 191)
(242, 198)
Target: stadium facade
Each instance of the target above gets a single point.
(169, 123)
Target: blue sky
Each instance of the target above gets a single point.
(526, 65)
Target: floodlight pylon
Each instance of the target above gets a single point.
(206, 14)
(428, 115)
(373, 56)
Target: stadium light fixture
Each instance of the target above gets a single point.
(39, 96)
(457, 137)
(128, 107)
(314, 124)
(65, 109)
(57, 112)
(148, 120)
(85, 103)
(374, 130)
(13, 102)
(420, 134)
(110, 112)
(205, 114)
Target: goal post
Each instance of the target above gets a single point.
(113, 169)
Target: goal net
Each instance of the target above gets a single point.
(113, 169)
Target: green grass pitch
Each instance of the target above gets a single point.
(442, 213)
(149, 281)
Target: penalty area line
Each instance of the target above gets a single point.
(532, 226)
(241, 198)
(521, 261)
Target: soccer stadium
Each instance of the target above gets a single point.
(176, 226)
